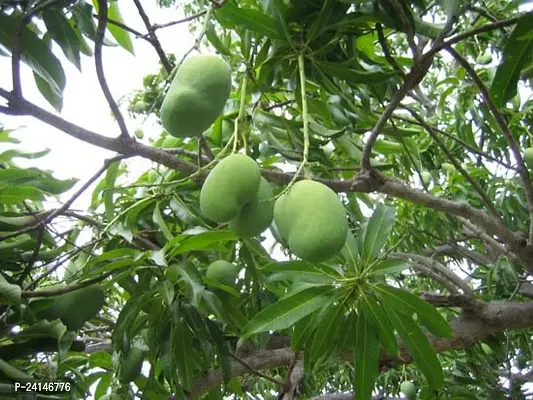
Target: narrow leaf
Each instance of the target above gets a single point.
(366, 359)
(409, 304)
(35, 53)
(516, 56)
(287, 311)
(230, 16)
(419, 347)
(379, 320)
(63, 34)
(377, 231)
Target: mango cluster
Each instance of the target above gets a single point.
(312, 221)
(197, 95)
(234, 192)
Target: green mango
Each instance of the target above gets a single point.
(312, 220)
(78, 306)
(223, 272)
(257, 215)
(197, 95)
(408, 389)
(426, 177)
(132, 365)
(528, 157)
(232, 184)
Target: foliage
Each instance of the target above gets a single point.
(395, 105)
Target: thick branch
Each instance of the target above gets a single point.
(468, 329)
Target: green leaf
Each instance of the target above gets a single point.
(157, 216)
(82, 12)
(327, 331)
(419, 347)
(366, 359)
(121, 36)
(379, 320)
(320, 23)
(35, 53)
(386, 267)
(110, 178)
(221, 347)
(12, 372)
(409, 304)
(184, 243)
(63, 34)
(10, 194)
(377, 232)
(10, 154)
(230, 16)
(287, 311)
(351, 75)
(516, 56)
(184, 356)
(54, 98)
(190, 276)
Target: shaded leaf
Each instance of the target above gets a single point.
(409, 304)
(516, 56)
(35, 53)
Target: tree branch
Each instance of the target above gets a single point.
(469, 328)
(99, 41)
(154, 41)
(504, 127)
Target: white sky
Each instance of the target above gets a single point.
(84, 102)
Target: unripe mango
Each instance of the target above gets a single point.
(232, 184)
(528, 157)
(78, 306)
(408, 389)
(196, 96)
(223, 272)
(257, 215)
(312, 219)
(426, 177)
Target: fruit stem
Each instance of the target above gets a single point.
(304, 162)
(240, 117)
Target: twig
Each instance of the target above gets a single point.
(67, 204)
(34, 255)
(475, 184)
(465, 35)
(155, 27)
(154, 41)
(254, 371)
(99, 41)
(411, 80)
(504, 127)
(388, 56)
(125, 27)
(55, 292)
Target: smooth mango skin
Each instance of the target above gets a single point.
(197, 95)
(222, 272)
(312, 219)
(76, 307)
(257, 215)
(232, 184)
(528, 157)
(408, 389)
